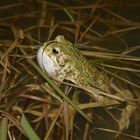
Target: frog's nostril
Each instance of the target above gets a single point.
(54, 51)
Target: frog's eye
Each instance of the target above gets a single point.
(54, 51)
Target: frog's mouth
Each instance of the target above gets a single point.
(46, 63)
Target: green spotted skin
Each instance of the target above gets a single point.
(74, 66)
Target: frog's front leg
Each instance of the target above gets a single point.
(58, 77)
(63, 74)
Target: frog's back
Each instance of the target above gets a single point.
(87, 74)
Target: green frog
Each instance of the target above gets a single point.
(61, 60)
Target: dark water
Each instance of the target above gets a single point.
(117, 43)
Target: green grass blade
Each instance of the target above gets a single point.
(1, 54)
(28, 129)
(55, 87)
(3, 128)
(69, 14)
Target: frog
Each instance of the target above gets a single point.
(60, 60)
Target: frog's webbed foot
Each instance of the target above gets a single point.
(32, 87)
(123, 122)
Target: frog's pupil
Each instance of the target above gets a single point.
(55, 52)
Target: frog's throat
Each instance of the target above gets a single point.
(46, 63)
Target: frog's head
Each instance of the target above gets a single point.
(54, 55)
